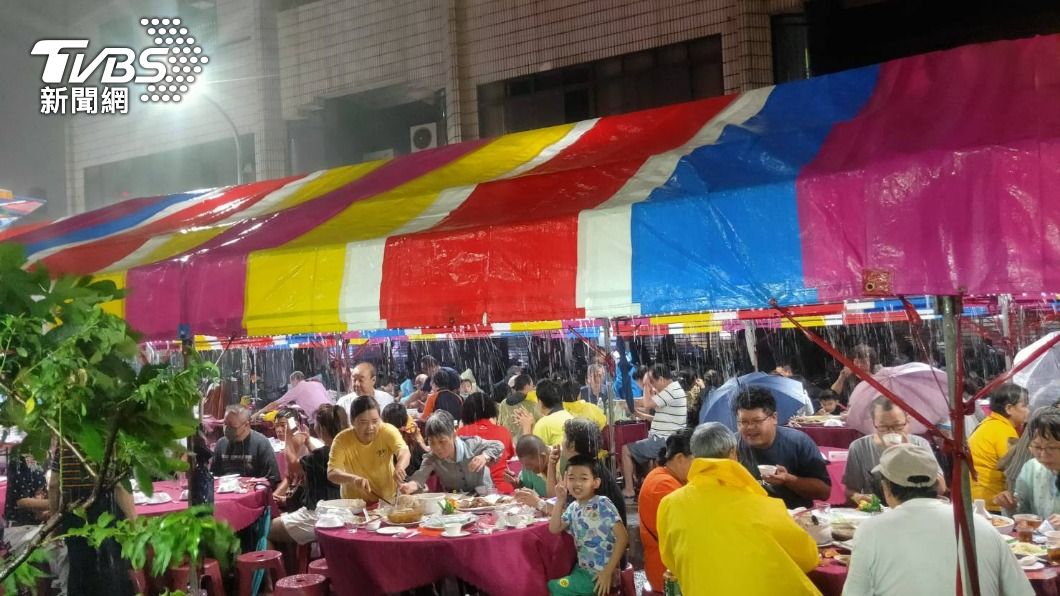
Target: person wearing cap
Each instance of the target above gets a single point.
(912, 549)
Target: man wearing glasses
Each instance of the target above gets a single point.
(892, 428)
(787, 461)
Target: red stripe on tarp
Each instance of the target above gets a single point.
(102, 253)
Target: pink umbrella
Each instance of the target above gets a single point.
(923, 388)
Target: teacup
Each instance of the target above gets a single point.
(892, 439)
(452, 529)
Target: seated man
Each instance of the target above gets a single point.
(801, 474)
(892, 428)
(912, 548)
(533, 456)
(669, 401)
(244, 451)
(722, 534)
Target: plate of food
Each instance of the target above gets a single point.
(1002, 524)
(815, 420)
(483, 504)
(1027, 549)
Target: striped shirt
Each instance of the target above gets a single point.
(671, 410)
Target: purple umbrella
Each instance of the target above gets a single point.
(921, 386)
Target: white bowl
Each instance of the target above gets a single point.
(1008, 526)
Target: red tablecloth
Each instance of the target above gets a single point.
(835, 471)
(832, 436)
(238, 509)
(510, 562)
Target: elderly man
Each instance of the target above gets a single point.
(308, 395)
(912, 549)
(892, 428)
(244, 451)
(798, 473)
(362, 382)
(722, 534)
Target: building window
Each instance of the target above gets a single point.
(660, 76)
(791, 50)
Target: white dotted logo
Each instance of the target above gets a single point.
(184, 59)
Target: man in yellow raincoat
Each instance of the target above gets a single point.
(722, 534)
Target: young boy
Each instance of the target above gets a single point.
(533, 456)
(596, 526)
(830, 405)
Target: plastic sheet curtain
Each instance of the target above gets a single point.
(935, 171)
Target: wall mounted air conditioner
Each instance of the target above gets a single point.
(423, 136)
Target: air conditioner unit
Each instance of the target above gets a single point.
(423, 136)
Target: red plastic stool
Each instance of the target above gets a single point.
(139, 580)
(303, 584)
(319, 567)
(248, 563)
(180, 574)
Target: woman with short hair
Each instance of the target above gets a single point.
(992, 440)
(369, 459)
(460, 464)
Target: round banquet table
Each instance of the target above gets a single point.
(836, 467)
(832, 436)
(830, 576)
(239, 510)
(509, 562)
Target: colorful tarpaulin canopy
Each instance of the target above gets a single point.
(937, 172)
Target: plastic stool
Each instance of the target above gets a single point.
(180, 575)
(319, 567)
(248, 563)
(139, 580)
(628, 582)
(303, 584)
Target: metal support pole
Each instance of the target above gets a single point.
(610, 401)
(1004, 303)
(235, 137)
(951, 308)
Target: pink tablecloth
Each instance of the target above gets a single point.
(624, 434)
(830, 576)
(836, 469)
(832, 436)
(509, 563)
(238, 509)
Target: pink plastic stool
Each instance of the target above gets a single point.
(180, 574)
(303, 584)
(248, 563)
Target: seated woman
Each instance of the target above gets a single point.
(397, 416)
(672, 473)
(298, 526)
(478, 414)
(1036, 486)
(363, 458)
(459, 463)
(992, 439)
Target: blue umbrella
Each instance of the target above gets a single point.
(790, 395)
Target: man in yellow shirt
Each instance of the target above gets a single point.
(991, 440)
(550, 427)
(362, 460)
(722, 534)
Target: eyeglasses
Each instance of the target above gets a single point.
(1037, 450)
(752, 423)
(892, 428)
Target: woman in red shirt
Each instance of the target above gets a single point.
(477, 415)
(671, 474)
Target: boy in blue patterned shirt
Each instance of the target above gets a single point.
(598, 532)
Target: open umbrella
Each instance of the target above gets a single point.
(1040, 378)
(790, 395)
(921, 386)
